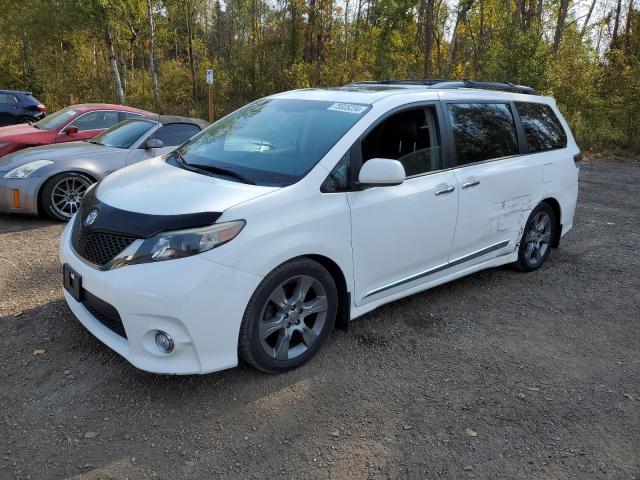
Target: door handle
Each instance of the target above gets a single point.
(470, 184)
(448, 189)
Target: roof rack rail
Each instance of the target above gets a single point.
(465, 83)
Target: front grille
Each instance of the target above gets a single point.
(104, 312)
(97, 248)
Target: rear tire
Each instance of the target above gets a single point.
(289, 317)
(26, 119)
(537, 238)
(61, 195)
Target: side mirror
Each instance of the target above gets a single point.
(70, 130)
(154, 143)
(382, 172)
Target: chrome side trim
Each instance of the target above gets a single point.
(439, 268)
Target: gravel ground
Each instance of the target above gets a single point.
(497, 375)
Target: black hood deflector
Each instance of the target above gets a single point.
(114, 221)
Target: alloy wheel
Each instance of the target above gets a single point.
(538, 238)
(293, 317)
(67, 194)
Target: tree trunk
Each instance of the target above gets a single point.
(309, 54)
(427, 39)
(113, 61)
(562, 16)
(192, 64)
(627, 30)
(463, 10)
(588, 17)
(616, 24)
(152, 61)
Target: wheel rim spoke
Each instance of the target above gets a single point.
(282, 346)
(269, 327)
(308, 335)
(303, 284)
(317, 305)
(279, 298)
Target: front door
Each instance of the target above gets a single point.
(401, 234)
(89, 125)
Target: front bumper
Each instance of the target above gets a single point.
(28, 189)
(199, 303)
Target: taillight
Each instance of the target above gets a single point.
(41, 107)
(577, 159)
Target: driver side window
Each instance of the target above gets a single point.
(96, 120)
(410, 136)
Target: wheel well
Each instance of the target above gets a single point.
(344, 297)
(48, 179)
(555, 206)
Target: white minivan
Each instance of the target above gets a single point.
(306, 209)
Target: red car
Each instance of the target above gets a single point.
(77, 122)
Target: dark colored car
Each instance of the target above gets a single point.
(19, 107)
(77, 122)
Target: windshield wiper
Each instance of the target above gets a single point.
(212, 169)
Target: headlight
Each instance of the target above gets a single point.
(23, 171)
(184, 243)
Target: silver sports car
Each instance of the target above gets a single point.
(53, 178)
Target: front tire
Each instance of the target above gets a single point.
(537, 238)
(61, 195)
(289, 317)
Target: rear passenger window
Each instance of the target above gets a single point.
(176, 133)
(411, 137)
(541, 127)
(483, 131)
(8, 98)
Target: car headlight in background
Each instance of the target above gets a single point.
(23, 171)
(184, 243)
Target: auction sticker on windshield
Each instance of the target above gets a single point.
(347, 108)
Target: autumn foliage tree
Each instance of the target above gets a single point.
(153, 53)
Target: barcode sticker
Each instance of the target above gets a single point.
(347, 108)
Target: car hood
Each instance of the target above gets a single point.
(16, 133)
(57, 152)
(156, 188)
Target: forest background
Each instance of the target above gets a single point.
(153, 53)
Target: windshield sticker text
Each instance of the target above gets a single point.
(347, 108)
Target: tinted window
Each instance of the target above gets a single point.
(482, 131)
(410, 137)
(273, 141)
(128, 115)
(56, 120)
(124, 134)
(541, 127)
(8, 98)
(338, 179)
(176, 133)
(96, 120)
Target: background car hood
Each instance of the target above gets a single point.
(56, 152)
(15, 133)
(156, 188)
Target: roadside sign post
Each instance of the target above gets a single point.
(210, 74)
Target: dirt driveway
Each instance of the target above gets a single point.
(498, 375)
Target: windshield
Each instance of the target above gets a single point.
(56, 120)
(271, 142)
(124, 134)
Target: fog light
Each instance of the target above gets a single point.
(164, 342)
